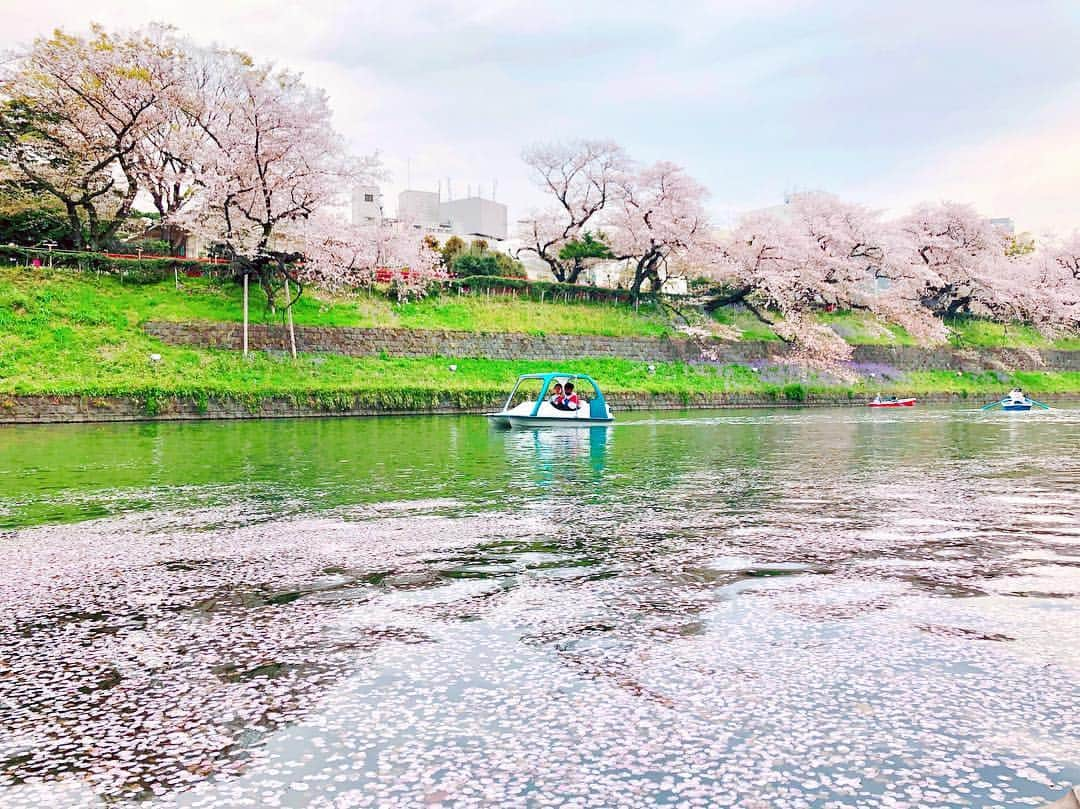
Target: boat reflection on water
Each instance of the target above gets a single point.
(560, 454)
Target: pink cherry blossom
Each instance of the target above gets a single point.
(657, 222)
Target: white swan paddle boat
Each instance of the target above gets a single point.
(541, 412)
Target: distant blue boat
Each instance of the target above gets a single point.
(1016, 401)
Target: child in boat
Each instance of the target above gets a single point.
(570, 399)
(556, 400)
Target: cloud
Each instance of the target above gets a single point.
(1031, 174)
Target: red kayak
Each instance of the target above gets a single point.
(892, 402)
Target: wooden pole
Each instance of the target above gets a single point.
(292, 332)
(245, 314)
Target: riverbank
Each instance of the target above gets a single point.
(76, 347)
(92, 409)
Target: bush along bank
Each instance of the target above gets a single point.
(479, 395)
(148, 270)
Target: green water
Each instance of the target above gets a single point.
(803, 607)
(50, 474)
(72, 473)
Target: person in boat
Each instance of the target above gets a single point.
(570, 399)
(1016, 396)
(556, 398)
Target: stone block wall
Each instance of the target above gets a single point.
(359, 342)
(86, 409)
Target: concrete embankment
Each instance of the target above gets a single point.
(85, 409)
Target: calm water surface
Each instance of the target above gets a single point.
(818, 608)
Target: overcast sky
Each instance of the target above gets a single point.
(884, 103)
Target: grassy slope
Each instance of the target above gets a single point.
(860, 328)
(200, 299)
(61, 334)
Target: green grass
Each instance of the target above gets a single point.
(82, 335)
(79, 296)
(748, 325)
(862, 328)
(468, 313)
(969, 332)
(989, 383)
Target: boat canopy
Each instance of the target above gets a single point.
(597, 405)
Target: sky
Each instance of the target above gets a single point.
(887, 104)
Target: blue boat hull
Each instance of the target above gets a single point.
(1017, 407)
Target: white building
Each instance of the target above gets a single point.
(366, 205)
(420, 208)
(470, 217)
(475, 216)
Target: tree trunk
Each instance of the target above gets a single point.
(76, 225)
(288, 312)
(245, 313)
(738, 296)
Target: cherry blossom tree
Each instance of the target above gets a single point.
(955, 260)
(658, 223)
(958, 263)
(270, 163)
(1054, 280)
(264, 176)
(269, 179)
(74, 112)
(1066, 255)
(817, 253)
(168, 157)
(582, 176)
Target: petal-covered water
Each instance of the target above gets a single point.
(754, 609)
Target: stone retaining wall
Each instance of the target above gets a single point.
(357, 342)
(84, 409)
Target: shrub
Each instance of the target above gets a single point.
(151, 247)
(483, 262)
(147, 270)
(795, 392)
(544, 290)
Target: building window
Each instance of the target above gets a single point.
(369, 197)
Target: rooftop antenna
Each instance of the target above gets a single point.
(440, 190)
(494, 185)
(449, 191)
